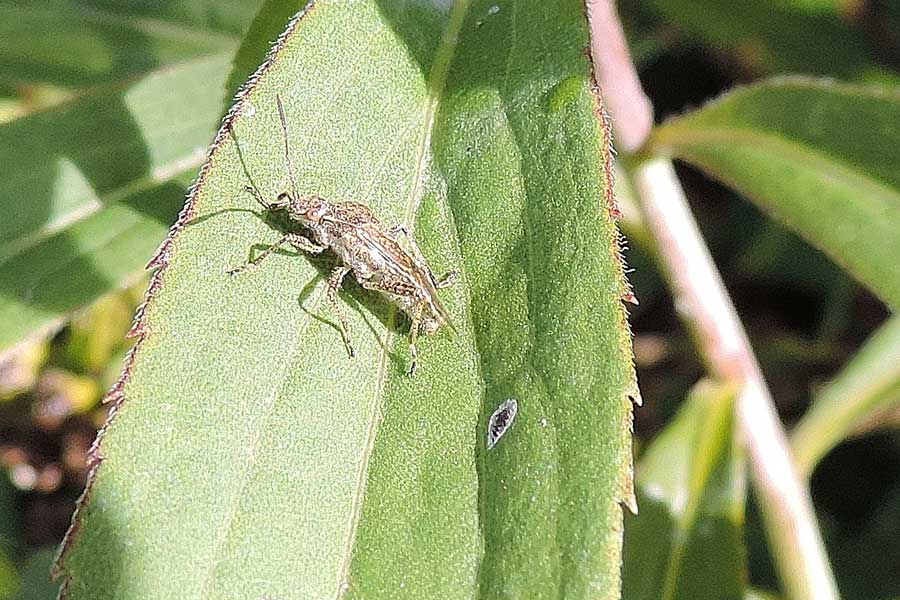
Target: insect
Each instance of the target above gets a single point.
(501, 420)
(364, 247)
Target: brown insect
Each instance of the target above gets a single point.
(365, 248)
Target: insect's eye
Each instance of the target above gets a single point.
(315, 213)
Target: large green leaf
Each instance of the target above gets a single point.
(250, 458)
(686, 543)
(864, 390)
(90, 189)
(821, 157)
(227, 16)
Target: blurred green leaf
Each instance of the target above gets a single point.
(9, 579)
(19, 369)
(867, 387)
(251, 458)
(774, 36)
(102, 44)
(9, 526)
(9, 522)
(91, 188)
(686, 541)
(98, 332)
(35, 575)
(231, 16)
(820, 157)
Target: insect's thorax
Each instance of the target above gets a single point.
(380, 263)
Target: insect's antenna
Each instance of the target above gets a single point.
(252, 187)
(287, 153)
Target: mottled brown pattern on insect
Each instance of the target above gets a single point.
(374, 255)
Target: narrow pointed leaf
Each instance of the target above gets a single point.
(869, 386)
(250, 458)
(686, 542)
(820, 157)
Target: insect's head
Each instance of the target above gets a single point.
(309, 210)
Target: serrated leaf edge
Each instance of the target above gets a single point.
(159, 263)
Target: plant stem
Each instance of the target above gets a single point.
(704, 304)
(617, 77)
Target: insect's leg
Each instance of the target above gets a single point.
(413, 335)
(447, 280)
(278, 204)
(304, 244)
(259, 257)
(334, 284)
(397, 229)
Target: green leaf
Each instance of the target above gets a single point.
(98, 45)
(774, 36)
(820, 157)
(251, 458)
(91, 188)
(228, 16)
(35, 574)
(686, 542)
(863, 391)
(10, 583)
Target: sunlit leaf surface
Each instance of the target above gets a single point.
(92, 187)
(86, 43)
(859, 397)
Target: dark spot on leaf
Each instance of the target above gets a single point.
(501, 420)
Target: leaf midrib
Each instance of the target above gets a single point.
(265, 414)
(706, 448)
(435, 84)
(530, 277)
